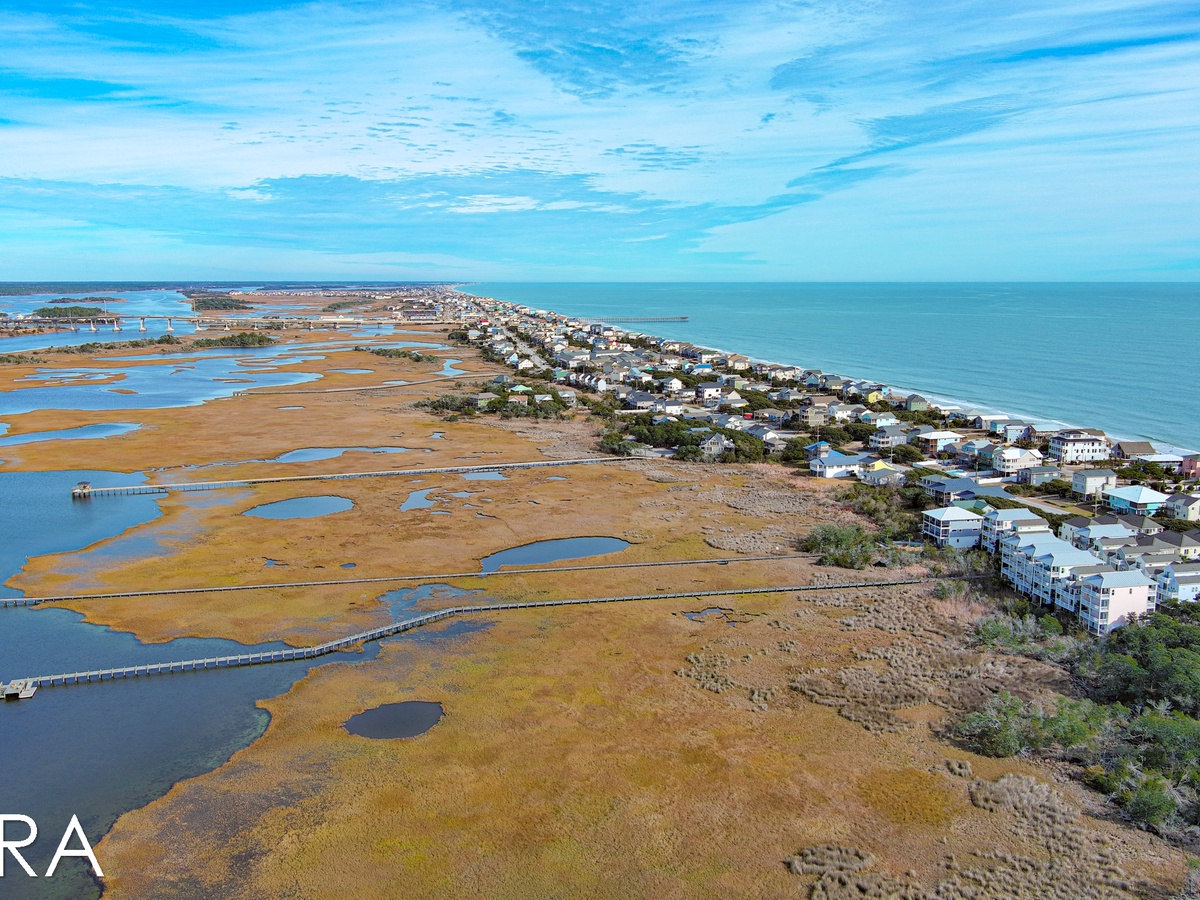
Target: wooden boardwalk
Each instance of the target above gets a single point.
(289, 654)
(260, 392)
(79, 493)
(434, 577)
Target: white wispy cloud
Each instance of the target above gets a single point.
(612, 125)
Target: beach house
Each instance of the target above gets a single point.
(1137, 499)
(887, 436)
(952, 526)
(1010, 460)
(1179, 582)
(870, 417)
(1089, 483)
(1072, 446)
(1107, 600)
(1183, 506)
(1001, 522)
(880, 474)
(932, 442)
(838, 465)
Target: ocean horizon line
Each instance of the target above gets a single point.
(899, 338)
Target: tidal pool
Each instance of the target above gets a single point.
(553, 551)
(484, 476)
(312, 454)
(142, 735)
(149, 384)
(83, 432)
(710, 611)
(353, 371)
(301, 507)
(418, 500)
(395, 720)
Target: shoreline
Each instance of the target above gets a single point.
(604, 673)
(936, 397)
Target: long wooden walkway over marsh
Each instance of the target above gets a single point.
(428, 578)
(398, 385)
(289, 654)
(82, 493)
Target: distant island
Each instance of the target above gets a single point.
(86, 300)
(68, 312)
(211, 300)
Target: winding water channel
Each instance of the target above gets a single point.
(99, 751)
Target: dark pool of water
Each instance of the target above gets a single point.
(301, 507)
(710, 611)
(396, 720)
(553, 551)
(83, 432)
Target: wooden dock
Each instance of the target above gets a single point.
(82, 492)
(21, 689)
(289, 654)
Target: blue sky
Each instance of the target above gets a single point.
(600, 140)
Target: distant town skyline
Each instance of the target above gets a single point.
(665, 141)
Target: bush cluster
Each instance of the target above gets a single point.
(1136, 733)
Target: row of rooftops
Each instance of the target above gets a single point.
(646, 361)
(1107, 552)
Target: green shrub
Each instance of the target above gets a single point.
(999, 729)
(1101, 779)
(1151, 802)
(844, 546)
(1050, 625)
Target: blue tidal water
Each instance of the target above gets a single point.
(99, 750)
(1096, 355)
(137, 303)
(83, 432)
(552, 551)
(301, 508)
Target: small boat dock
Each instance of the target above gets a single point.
(20, 689)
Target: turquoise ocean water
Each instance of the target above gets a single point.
(1113, 356)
